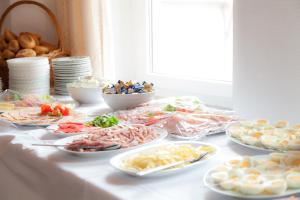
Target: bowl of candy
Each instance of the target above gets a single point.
(86, 90)
(125, 95)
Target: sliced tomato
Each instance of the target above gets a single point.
(184, 110)
(63, 110)
(56, 112)
(45, 109)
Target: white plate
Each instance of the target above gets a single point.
(116, 161)
(53, 130)
(162, 134)
(208, 182)
(248, 145)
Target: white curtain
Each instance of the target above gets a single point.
(86, 31)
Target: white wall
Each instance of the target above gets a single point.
(30, 18)
(267, 59)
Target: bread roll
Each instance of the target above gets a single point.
(41, 50)
(26, 41)
(8, 35)
(14, 45)
(35, 36)
(3, 44)
(8, 54)
(51, 47)
(26, 53)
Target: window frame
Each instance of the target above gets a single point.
(212, 92)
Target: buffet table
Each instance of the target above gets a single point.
(36, 173)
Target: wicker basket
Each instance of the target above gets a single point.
(58, 52)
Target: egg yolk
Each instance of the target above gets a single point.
(234, 162)
(257, 135)
(245, 164)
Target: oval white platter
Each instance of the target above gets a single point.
(116, 161)
(260, 148)
(162, 134)
(209, 183)
(248, 145)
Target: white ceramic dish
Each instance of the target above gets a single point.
(116, 161)
(208, 182)
(162, 134)
(86, 95)
(125, 101)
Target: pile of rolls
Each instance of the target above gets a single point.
(27, 44)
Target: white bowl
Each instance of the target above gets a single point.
(125, 101)
(86, 95)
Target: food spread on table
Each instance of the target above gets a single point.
(123, 135)
(164, 155)
(183, 117)
(129, 87)
(267, 175)
(278, 136)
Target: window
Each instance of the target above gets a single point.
(192, 39)
(183, 46)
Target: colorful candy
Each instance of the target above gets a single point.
(129, 87)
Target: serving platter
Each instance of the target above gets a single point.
(64, 141)
(233, 139)
(116, 161)
(209, 183)
(260, 147)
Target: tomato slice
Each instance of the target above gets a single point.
(45, 109)
(56, 112)
(63, 110)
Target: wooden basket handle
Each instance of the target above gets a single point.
(45, 8)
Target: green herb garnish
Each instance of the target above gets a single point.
(169, 108)
(104, 121)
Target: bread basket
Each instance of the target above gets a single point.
(58, 52)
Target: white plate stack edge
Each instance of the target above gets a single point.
(69, 69)
(29, 75)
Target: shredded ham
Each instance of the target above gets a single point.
(123, 135)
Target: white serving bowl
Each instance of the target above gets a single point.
(125, 101)
(86, 95)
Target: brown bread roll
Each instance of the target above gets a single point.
(3, 44)
(41, 50)
(13, 45)
(8, 54)
(8, 35)
(35, 36)
(26, 42)
(51, 47)
(25, 53)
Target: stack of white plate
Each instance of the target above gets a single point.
(68, 70)
(29, 75)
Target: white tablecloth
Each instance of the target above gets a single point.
(38, 173)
